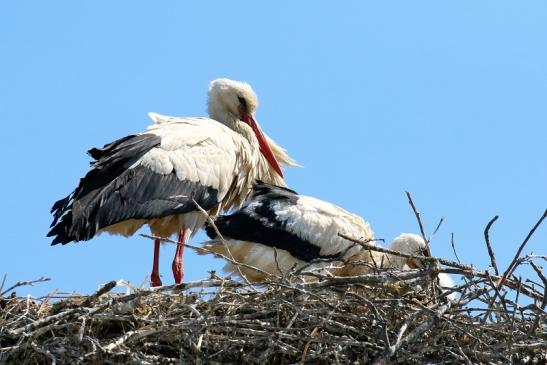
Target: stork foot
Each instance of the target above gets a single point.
(155, 280)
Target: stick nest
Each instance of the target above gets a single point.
(384, 317)
(334, 320)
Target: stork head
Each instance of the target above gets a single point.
(411, 244)
(231, 99)
(234, 102)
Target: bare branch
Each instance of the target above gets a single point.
(512, 266)
(489, 247)
(23, 283)
(417, 214)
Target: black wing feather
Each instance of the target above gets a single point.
(259, 223)
(271, 191)
(111, 192)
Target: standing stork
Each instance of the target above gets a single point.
(161, 177)
(277, 230)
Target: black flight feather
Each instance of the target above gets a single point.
(258, 222)
(112, 192)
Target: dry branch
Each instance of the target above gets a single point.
(489, 246)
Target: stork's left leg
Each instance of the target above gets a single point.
(178, 263)
(155, 276)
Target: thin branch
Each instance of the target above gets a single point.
(452, 243)
(438, 226)
(541, 275)
(417, 214)
(489, 247)
(512, 266)
(102, 290)
(24, 283)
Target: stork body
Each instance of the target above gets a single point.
(278, 230)
(157, 177)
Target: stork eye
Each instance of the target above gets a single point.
(242, 103)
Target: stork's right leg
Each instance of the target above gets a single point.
(178, 261)
(155, 276)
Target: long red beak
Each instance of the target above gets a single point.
(264, 146)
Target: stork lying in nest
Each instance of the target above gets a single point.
(279, 231)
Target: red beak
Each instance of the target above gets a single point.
(264, 146)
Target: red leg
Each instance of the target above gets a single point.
(178, 264)
(155, 276)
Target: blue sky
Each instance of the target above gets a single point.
(447, 100)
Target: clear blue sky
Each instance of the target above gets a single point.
(447, 100)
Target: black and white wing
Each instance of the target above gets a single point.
(297, 229)
(152, 175)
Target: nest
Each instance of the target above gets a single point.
(384, 317)
(379, 318)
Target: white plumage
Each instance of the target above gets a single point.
(155, 177)
(278, 230)
(415, 245)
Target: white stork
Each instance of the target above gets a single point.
(413, 244)
(156, 177)
(278, 230)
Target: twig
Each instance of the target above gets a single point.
(538, 270)
(102, 290)
(512, 266)
(453, 244)
(438, 226)
(417, 214)
(543, 278)
(489, 247)
(454, 247)
(23, 283)
(131, 336)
